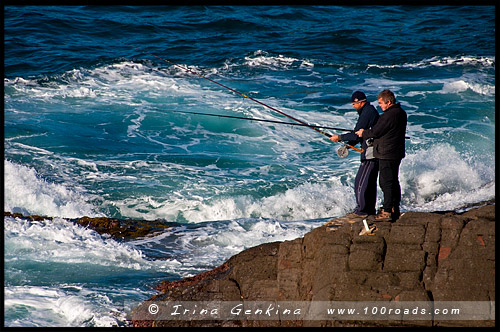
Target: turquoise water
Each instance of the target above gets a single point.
(91, 129)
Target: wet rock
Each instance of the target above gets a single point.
(116, 228)
(421, 257)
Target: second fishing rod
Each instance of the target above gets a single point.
(245, 96)
(262, 120)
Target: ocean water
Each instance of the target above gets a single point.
(91, 129)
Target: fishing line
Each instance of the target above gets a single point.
(265, 120)
(262, 120)
(241, 94)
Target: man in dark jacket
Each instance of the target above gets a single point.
(365, 184)
(389, 148)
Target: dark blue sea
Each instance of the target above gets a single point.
(92, 128)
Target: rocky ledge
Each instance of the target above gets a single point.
(428, 257)
(116, 228)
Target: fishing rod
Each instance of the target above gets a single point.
(266, 120)
(263, 120)
(342, 151)
(241, 94)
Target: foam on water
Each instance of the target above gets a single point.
(35, 306)
(58, 240)
(127, 80)
(58, 274)
(307, 201)
(432, 178)
(47, 297)
(262, 59)
(116, 82)
(439, 178)
(208, 244)
(475, 61)
(27, 193)
(441, 86)
(462, 85)
(427, 184)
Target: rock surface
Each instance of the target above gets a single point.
(117, 228)
(421, 257)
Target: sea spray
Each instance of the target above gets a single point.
(27, 193)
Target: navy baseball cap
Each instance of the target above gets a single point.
(357, 97)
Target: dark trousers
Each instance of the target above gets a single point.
(365, 187)
(389, 183)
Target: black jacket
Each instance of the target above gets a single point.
(368, 117)
(389, 134)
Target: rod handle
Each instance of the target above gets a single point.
(355, 148)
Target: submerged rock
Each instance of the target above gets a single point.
(116, 228)
(424, 257)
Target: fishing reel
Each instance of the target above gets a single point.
(343, 151)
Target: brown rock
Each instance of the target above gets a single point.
(421, 257)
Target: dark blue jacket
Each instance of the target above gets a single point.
(368, 117)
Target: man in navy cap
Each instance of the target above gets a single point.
(365, 184)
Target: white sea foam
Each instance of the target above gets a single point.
(442, 86)
(26, 192)
(61, 241)
(132, 129)
(211, 243)
(110, 82)
(58, 250)
(482, 61)
(307, 201)
(262, 59)
(440, 178)
(230, 237)
(128, 76)
(461, 85)
(474, 81)
(46, 306)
